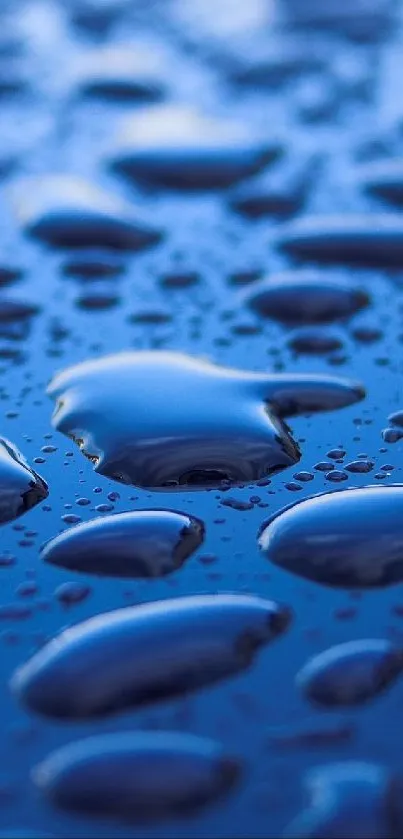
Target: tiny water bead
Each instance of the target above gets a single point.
(20, 487)
(139, 777)
(348, 539)
(146, 543)
(350, 673)
(127, 414)
(135, 656)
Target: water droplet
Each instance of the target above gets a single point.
(146, 543)
(175, 147)
(127, 414)
(369, 240)
(360, 466)
(71, 593)
(314, 341)
(348, 539)
(138, 655)
(355, 800)
(93, 264)
(119, 75)
(138, 777)
(68, 212)
(20, 487)
(396, 419)
(312, 735)
(350, 673)
(281, 192)
(306, 297)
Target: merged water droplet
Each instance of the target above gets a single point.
(306, 297)
(369, 240)
(20, 487)
(68, 212)
(138, 655)
(140, 777)
(384, 179)
(351, 673)
(175, 147)
(128, 414)
(354, 800)
(145, 543)
(347, 539)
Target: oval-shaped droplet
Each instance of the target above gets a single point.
(384, 179)
(369, 240)
(347, 539)
(140, 777)
(351, 673)
(68, 212)
(145, 543)
(134, 656)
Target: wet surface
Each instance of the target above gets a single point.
(160, 164)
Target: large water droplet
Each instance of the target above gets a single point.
(146, 543)
(176, 147)
(348, 539)
(134, 656)
(128, 415)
